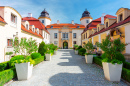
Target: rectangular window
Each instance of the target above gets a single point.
(98, 28)
(74, 42)
(55, 35)
(120, 16)
(13, 18)
(9, 42)
(66, 35)
(55, 42)
(63, 35)
(86, 35)
(106, 24)
(87, 21)
(74, 35)
(42, 21)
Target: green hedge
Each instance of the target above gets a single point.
(4, 65)
(126, 65)
(125, 72)
(97, 61)
(35, 55)
(7, 75)
(38, 60)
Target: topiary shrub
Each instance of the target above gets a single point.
(42, 48)
(35, 55)
(82, 51)
(79, 47)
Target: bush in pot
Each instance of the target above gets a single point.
(23, 65)
(89, 55)
(76, 48)
(82, 51)
(48, 55)
(112, 59)
(42, 48)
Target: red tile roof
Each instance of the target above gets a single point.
(65, 24)
(95, 22)
(2, 20)
(37, 23)
(115, 24)
(30, 31)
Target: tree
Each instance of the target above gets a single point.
(42, 48)
(89, 47)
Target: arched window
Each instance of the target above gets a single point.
(27, 26)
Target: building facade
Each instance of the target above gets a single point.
(117, 26)
(13, 25)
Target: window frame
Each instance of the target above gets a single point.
(74, 36)
(9, 42)
(55, 35)
(106, 24)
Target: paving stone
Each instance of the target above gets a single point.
(67, 69)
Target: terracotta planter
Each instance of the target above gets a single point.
(112, 72)
(76, 52)
(48, 57)
(24, 70)
(89, 59)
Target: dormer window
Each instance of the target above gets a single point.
(87, 21)
(37, 31)
(51, 26)
(13, 18)
(27, 26)
(77, 26)
(120, 17)
(106, 24)
(86, 35)
(33, 29)
(98, 28)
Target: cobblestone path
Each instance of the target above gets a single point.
(67, 69)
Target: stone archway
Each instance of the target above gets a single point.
(65, 45)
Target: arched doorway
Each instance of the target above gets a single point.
(65, 45)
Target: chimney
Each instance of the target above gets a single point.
(102, 18)
(29, 14)
(58, 22)
(72, 22)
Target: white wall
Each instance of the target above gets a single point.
(78, 36)
(83, 21)
(8, 31)
(127, 38)
(46, 39)
(46, 21)
(52, 39)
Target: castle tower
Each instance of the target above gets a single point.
(86, 18)
(45, 18)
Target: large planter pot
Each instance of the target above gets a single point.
(76, 51)
(55, 52)
(48, 57)
(112, 72)
(89, 58)
(24, 70)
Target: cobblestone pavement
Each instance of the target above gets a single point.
(67, 69)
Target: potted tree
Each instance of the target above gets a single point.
(76, 49)
(55, 49)
(23, 65)
(48, 55)
(89, 55)
(113, 60)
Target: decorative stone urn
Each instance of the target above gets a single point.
(112, 72)
(48, 57)
(89, 59)
(76, 52)
(24, 70)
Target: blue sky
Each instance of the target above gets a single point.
(66, 10)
